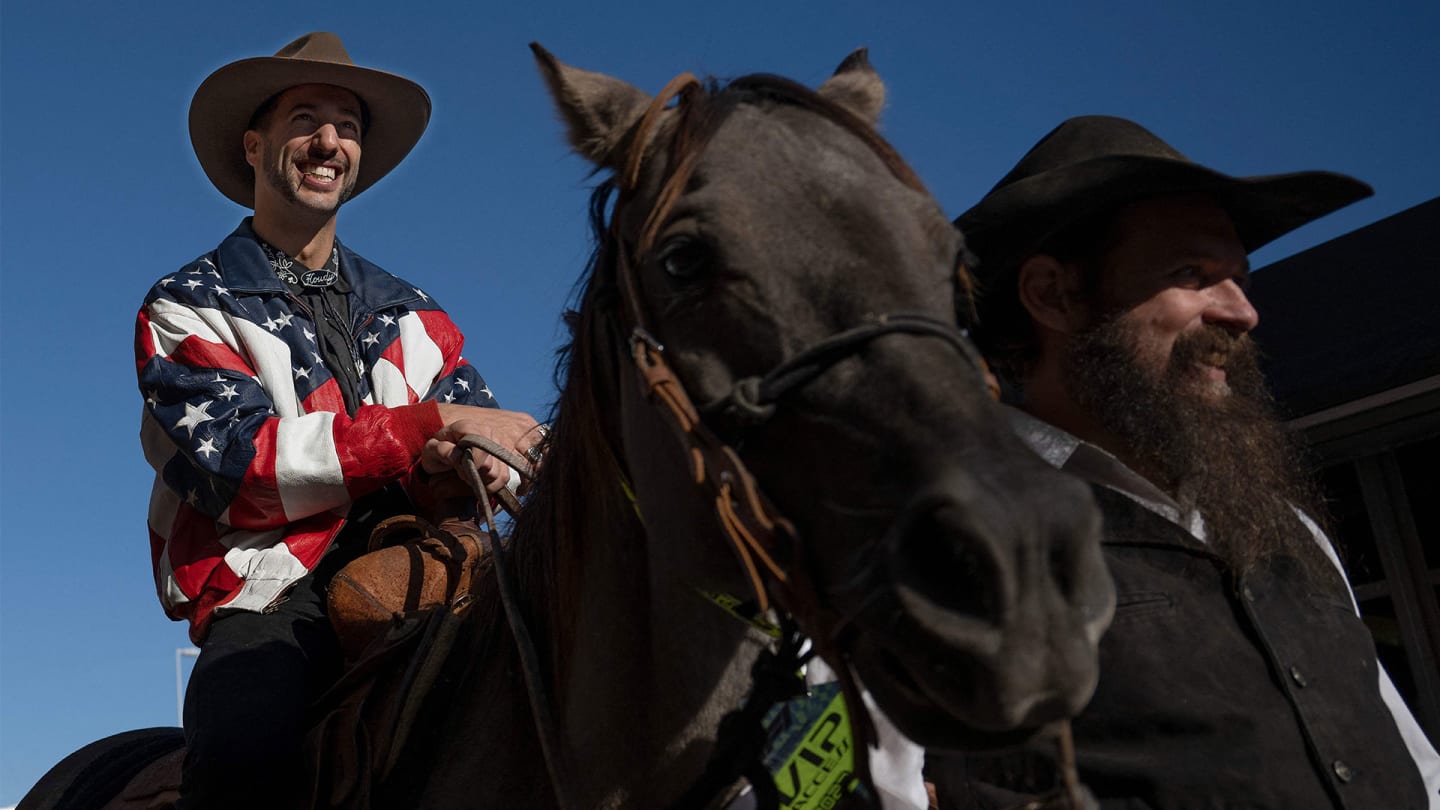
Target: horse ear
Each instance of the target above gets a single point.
(856, 87)
(599, 110)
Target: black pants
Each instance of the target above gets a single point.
(248, 700)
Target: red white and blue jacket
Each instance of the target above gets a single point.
(256, 461)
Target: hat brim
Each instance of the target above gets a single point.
(226, 100)
(1013, 220)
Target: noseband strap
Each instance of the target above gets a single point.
(752, 399)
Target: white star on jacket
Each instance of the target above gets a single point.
(194, 415)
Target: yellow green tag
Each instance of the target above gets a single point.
(630, 496)
(811, 750)
(742, 610)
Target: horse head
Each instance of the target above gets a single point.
(789, 292)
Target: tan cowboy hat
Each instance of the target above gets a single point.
(1096, 162)
(399, 110)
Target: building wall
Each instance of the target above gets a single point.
(1351, 329)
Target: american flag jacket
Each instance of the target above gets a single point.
(256, 461)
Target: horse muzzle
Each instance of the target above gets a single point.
(983, 614)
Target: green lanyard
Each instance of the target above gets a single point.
(809, 747)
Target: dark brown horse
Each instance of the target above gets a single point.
(949, 568)
(826, 446)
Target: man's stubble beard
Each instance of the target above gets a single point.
(1224, 454)
(276, 175)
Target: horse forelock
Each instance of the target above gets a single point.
(779, 88)
(702, 107)
(769, 87)
(702, 113)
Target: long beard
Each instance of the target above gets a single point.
(1221, 452)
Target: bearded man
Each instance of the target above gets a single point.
(1237, 672)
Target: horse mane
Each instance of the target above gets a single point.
(583, 494)
(581, 491)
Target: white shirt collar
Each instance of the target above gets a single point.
(1087, 461)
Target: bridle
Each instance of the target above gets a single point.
(766, 543)
(770, 551)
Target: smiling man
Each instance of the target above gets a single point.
(295, 395)
(1236, 672)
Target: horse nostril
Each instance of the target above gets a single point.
(1074, 551)
(941, 558)
(1062, 569)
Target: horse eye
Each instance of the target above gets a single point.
(683, 257)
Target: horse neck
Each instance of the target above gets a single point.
(641, 668)
(654, 668)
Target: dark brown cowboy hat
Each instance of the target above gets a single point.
(399, 110)
(1097, 162)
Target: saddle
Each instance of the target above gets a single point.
(397, 612)
(155, 787)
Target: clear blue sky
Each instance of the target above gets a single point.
(102, 195)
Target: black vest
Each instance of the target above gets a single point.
(1217, 691)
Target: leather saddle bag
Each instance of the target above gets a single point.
(414, 566)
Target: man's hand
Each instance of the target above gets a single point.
(510, 429)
